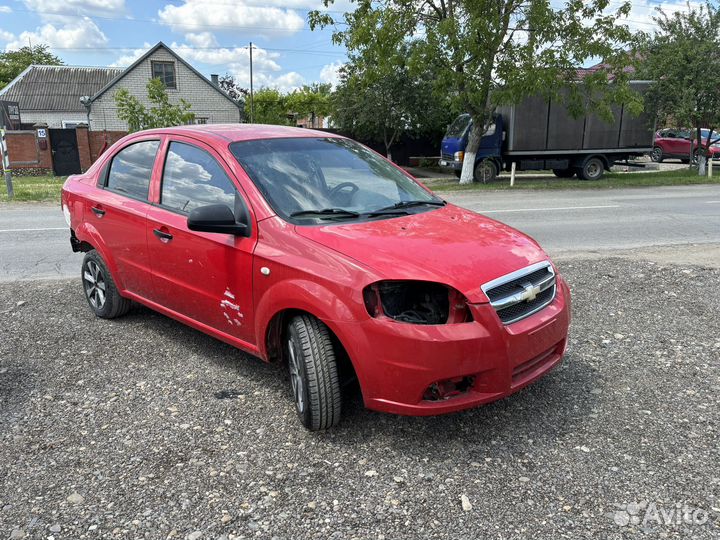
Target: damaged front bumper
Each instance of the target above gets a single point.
(434, 369)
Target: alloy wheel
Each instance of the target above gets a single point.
(296, 379)
(94, 282)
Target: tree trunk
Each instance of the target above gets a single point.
(468, 169)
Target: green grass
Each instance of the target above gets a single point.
(33, 188)
(608, 181)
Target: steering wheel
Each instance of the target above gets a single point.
(344, 185)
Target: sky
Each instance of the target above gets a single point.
(212, 35)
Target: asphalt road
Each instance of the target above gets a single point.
(34, 238)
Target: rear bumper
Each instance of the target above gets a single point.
(397, 363)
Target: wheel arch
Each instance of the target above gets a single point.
(89, 238)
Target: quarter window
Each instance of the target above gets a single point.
(131, 169)
(165, 71)
(193, 178)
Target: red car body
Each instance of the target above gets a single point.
(238, 289)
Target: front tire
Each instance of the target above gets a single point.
(485, 171)
(592, 169)
(101, 292)
(657, 154)
(313, 373)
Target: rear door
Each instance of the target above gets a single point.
(204, 276)
(118, 212)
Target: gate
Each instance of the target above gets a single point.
(66, 158)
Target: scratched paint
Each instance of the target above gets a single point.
(230, 309)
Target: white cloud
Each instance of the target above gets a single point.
(80, 7)
(331, 73)
(5, 9)
(83, 33)
(201, 39)
(642, 12)
(196, 15)
(6, 36)
(128, 58)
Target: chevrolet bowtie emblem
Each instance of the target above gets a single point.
(530, 292)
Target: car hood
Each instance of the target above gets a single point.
(448, 245)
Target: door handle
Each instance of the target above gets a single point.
(162, 235)
(99, 212)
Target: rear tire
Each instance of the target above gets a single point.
(485, 171)
(101, 292)
(592, 169)
(564, 173)
(313, 373)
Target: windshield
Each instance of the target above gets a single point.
(329, 179)
(458, 127)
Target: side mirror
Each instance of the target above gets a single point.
(216, 218)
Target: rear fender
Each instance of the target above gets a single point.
(85, 232)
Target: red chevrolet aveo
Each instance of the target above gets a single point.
(309, 248)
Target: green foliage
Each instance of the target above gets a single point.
(310, 100)
(382, 100)
(485, 53)
(270, 107)
(162, 113)
(12, 63)
(681, 57)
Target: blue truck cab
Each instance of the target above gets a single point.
(488, 160)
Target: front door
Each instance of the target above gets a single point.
(64, 146)
(204, 276)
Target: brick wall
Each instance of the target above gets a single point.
(101, 141)
(25, 150)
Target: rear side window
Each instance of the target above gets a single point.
(131, 169)
(193, 178)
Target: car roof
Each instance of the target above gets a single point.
(240, 132)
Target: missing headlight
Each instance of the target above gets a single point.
(416, 302)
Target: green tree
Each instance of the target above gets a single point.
(681, 57)
(310, 101)
(162, 113)
(12, 63)
(485, 53)
(270, 107)
(382, 101)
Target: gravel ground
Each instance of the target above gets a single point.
(144, 428)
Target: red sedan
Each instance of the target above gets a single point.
(308, 248)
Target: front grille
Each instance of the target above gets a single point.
(446, 157)
(520, 294)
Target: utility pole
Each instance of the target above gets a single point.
(6, 164)
(252, 104)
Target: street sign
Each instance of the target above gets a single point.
(10, 114)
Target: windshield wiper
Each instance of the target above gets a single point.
(327, 213)
(407, 204)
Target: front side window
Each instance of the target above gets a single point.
(339, 178)
(131, 169)
(193, 178)
(165, 71)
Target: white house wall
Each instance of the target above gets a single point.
(53, 119)
(204, 101)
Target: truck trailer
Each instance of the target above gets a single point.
(541, 134)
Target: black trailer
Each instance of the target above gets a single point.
(542, 134)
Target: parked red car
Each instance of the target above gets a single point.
(309, 248)
(676, 144)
